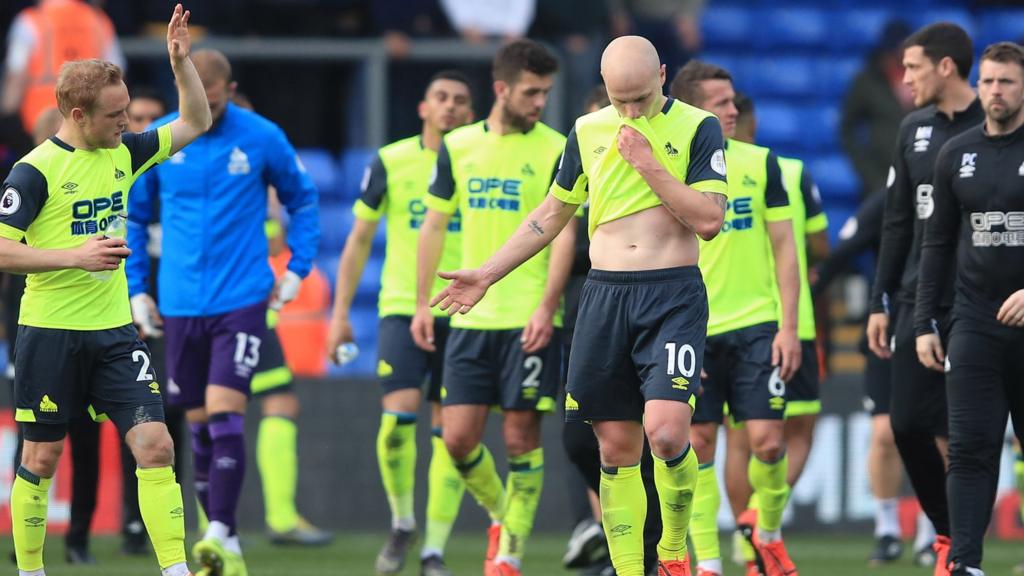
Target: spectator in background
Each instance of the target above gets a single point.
(35, 52)
(398, 21)
(673, 26)
(874, 105)
(478, 20)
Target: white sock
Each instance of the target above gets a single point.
(33, 572)
(231, 544)
(975, 572)
(218, 531)
(176, 570)
(925, 532)
(513, 562)
(428, 552)
(407, 524)
(887, 518)
(769, 536)
(713, 565)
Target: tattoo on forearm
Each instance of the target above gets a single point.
(535, 228)
(719, 199)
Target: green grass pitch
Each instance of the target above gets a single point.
(353, 554)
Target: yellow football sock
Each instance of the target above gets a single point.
(623, 513)
(396, 456)
(163, 513)
(278, 462)
(525, 481)
(704, 520)
(483, 481)
(444, 496)
(29, 498)
(676, 480)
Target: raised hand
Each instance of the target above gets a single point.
(179, 43)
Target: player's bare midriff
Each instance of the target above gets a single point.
(651, 239)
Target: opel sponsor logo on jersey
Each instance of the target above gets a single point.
(10, 202)
(739, 214)
(997, 229)
(418, 211)
(922, 138)
(494, 194)
(85, 214)
(967, 164)
(925, 202)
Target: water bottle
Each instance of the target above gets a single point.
(346, 353)
(117, 227)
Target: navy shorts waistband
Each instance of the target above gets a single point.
(677, 274)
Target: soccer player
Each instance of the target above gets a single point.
(76, 345)
(752, 349)
(938, 62)
(277, 438)
(508, 352)
(394, 188)
(654, 171)
(977, 218)
(862, 233)
(215, 283)
(803, 401)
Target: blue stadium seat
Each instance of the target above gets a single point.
(369, 283)
(999, 25)
(801, 27)
(837, 73)
(736, 65)
(364, 324)
(778, 124)
(353, 163)
(328, 264)
(955, 15)
(724, 26)
(836, 179)
(321, 168)
(780, 76)
(859, 27)
(820, 126)
(335, 224)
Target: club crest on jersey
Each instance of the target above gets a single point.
(238, 162)
(967, 164)
(922, 138)
(10, 202)
(670, 149)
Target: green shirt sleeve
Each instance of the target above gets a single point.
(706, 172)
(776, 199)
(814, 212)
(441, 195)
(570, 185)
(24, 193)
(373, 199)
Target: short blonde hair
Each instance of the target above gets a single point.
(80, 82)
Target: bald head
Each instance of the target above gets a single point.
(633, 75)
(212, 66)
(215, 74)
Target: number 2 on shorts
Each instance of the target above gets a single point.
(144, 375)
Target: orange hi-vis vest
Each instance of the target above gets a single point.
(302, 324)
(65, 30)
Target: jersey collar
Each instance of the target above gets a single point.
(668, 105)
(62, 144)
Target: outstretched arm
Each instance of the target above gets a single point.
(538, 230)
(195, 117)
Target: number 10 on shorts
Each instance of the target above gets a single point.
(682, 358)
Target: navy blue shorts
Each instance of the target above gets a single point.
(489, 367)
(223, 349)
(401, 364)
(740, 373)
(639, 336)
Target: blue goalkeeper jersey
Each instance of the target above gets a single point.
(213, 203)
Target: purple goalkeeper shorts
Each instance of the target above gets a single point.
(223, 349)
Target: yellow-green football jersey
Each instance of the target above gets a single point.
(394, 188)
(495, 181)
(686, 140)
(808, 218)
(57, 197)
(738, 265)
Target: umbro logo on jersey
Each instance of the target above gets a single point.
(670, 149)
(69, 187)
(967, 164)
(748, 181)
(527, 170)
(922, 138)
(600, 150)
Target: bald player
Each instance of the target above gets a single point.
(654, 171)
